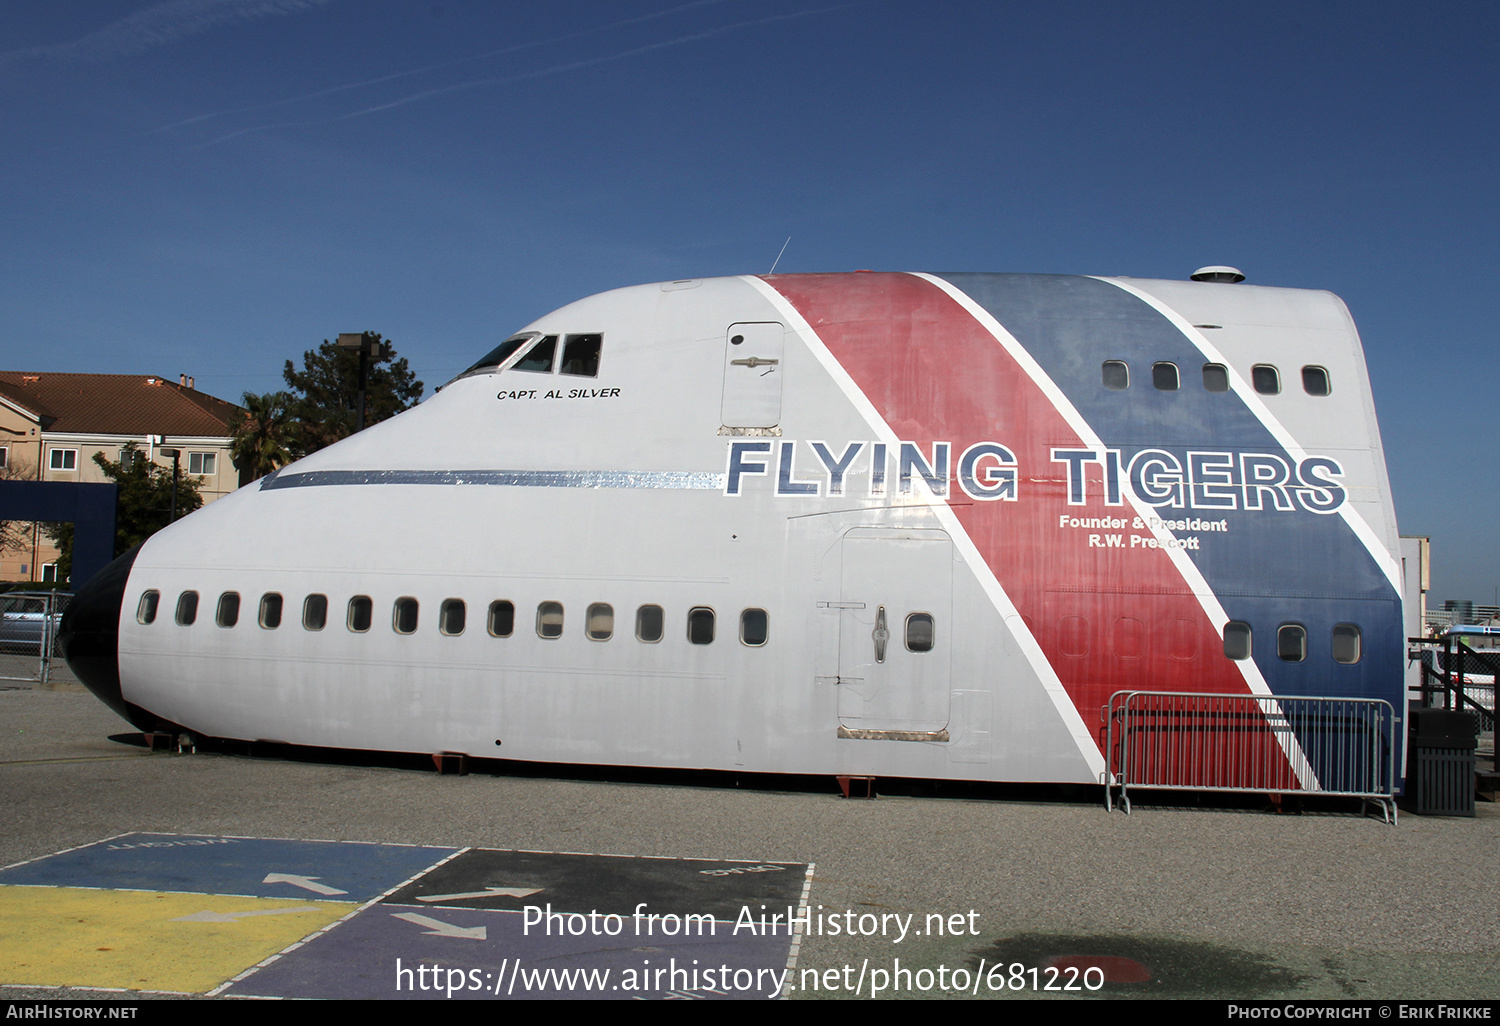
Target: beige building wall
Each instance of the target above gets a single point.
(69, 458)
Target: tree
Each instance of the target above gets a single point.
(325, 394)
(265, 440)
(143, 504)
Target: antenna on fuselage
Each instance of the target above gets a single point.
(784, 245)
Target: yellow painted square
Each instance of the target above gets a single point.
(138, 940)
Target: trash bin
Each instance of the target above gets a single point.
(1441, 767)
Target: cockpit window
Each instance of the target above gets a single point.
(539, 356)
(535, 352)
(504, 351)
(581, 355)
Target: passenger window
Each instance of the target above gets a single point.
(1215, 377)
(315, 612)
(581, 355)
(754, 627)
(229, 609)
(270, 610)
(502, 618)
(1237, 640)
(146, 611)
(549, 620)
(361, 612)
(404, 615)
(649, 624)
(540, 356)
(1346, 643)
(1266, 379)
(1315, 381)
(1164, 377)
(919, 632)
(1116, 375)
(1291, 643)
(187, 608)
(600, 623)
(452, 616)
(700, 625)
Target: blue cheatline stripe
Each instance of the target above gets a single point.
(1269, 567)
(670, 479)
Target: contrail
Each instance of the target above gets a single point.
(436, 67)
(159, 25)
(541, 73)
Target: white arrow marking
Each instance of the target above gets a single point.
(234, 917)
(441, 929)
(488, 892)
(309, 883)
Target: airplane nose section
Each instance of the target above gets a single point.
(90, 634)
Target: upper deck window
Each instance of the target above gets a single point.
(1315, 381)
(1215, 377)
(1116, 375)
(1266, 379)
(1164, 376)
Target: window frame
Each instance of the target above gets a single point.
(597, 609)
(1216, 369)
(1327, 380)
(695, 616)
(445, 617)
(399, 608)
(308, 605)
(661, 623)
(1249, 635)
(362, 604)
(544, 609)
(1282, 633)
(1359, 644)
(906, 631)
(1256, 376)
(228, 608)
(489, 618)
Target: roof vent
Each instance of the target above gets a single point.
(1227, 275)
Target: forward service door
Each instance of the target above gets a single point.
(895, 634)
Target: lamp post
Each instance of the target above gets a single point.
(369, 346)
(176, 455)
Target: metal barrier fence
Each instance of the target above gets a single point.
(28, 636)
(1168, 740)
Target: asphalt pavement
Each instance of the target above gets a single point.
(1173, 900)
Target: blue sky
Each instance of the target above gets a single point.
(211, 187)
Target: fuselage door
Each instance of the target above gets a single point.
(752, 375)
(895, 633)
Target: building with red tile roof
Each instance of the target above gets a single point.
(51, 425)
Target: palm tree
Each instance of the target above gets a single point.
(263, 441)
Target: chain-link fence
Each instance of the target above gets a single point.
(29, 653)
